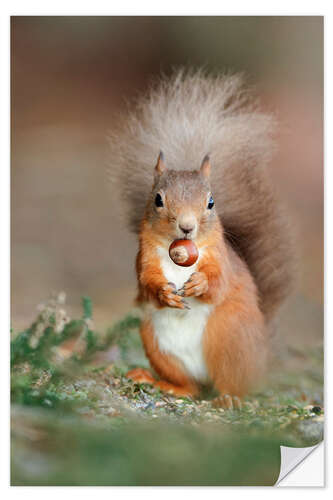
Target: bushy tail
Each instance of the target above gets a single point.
(192, 114)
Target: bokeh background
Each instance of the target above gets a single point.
(72, 76)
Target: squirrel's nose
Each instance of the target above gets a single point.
(187, 224)
(187, 229)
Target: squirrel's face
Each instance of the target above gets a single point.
(182, 204)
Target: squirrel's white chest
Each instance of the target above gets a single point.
(172, 272)
(180, 332)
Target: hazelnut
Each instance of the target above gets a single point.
(183, 252)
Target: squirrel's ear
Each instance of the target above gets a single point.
(205, 166)
(160, 165)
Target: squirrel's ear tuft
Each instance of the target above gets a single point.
(160, 165)
(205, 166)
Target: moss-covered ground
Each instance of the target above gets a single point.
(77, 420)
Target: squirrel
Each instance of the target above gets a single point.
(210, 323)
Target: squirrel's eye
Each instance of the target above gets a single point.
(158, 200)
(210, 203)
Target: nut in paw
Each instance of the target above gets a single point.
(183, 252)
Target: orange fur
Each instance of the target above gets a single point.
(245, 269)
(144, 376)
(187, 115)
(234, 341)
(175, 380)
(214, 273)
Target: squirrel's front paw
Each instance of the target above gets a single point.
(197, 285)
(167, 296)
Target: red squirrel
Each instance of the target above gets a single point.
(208, 323)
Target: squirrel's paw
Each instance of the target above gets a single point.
(168, 296)
(227, 402)
(141, 376)
(197, 285)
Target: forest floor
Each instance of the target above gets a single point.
(77, 420)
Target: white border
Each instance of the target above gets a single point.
(4, 249)
(171, 8)
(308, 472)
(142, 7)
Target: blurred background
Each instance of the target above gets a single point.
(71, 76)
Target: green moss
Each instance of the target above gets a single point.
(97, 427)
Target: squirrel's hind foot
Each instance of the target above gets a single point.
(227, 402)
(143, 376)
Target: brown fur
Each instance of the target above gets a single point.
(235, 340)
(192, 114)
(246, 267)
(167, 367)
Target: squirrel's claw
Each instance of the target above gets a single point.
(186, 306)
(195, 286)
(227, 402)
(168, 296)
